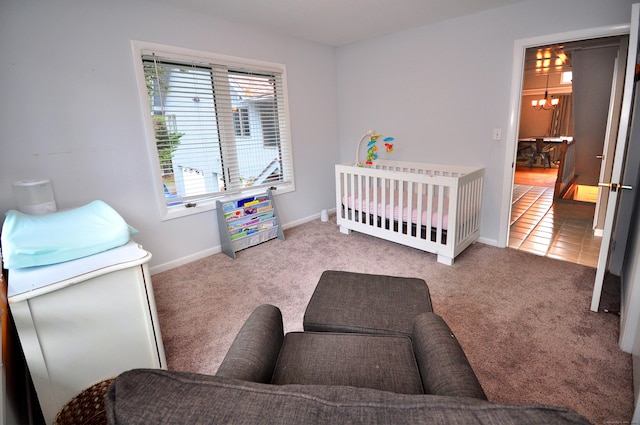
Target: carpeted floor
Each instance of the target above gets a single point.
(523, 320)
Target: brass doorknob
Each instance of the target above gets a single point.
(615, 186)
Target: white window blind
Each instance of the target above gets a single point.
(219, 129)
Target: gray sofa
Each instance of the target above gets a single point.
(324, 378)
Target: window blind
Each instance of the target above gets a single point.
(219, 129)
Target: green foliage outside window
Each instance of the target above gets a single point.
(167, 141)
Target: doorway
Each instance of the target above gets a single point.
(547, 217)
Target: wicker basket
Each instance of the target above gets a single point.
(87, 408)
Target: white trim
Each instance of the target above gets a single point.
(520, 46)
(217, 249)
(192, 55)
(487, 241)
(210, 204)
(184, 260)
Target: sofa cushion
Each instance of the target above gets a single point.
(366, 303)
(164, 398)
(382, 362)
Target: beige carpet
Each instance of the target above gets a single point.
(523, 320)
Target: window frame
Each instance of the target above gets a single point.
(175, 211)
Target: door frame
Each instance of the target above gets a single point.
(517, 79)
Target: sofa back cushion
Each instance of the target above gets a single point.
(163, 398)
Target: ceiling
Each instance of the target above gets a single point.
(337, 22)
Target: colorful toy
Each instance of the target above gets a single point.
(388, 146)
(372, 149)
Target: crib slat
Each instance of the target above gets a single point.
(452, 212)
(409, 207)
(429, 211)
(345, 197)
(462, 219)
(346, 194)
(440, 214)
(419, 190)
(469, 220)
(400, 206)
(476, 202)
(392, 196)
(383, 213)
(362, 200)
(339, 192)
(374, 189)
(355, 196)
(367, 187)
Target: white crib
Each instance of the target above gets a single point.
(434, 208)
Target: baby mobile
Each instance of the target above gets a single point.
(372, 149)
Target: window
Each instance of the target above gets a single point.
(241, 122)
(220, 124)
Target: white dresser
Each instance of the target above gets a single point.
(85, 320)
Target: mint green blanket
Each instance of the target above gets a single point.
(38, 240)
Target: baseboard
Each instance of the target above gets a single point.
(305, 220)
(159, 268)
(491, 242)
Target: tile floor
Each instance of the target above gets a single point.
(561, 230)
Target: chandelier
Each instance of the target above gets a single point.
(546, 103)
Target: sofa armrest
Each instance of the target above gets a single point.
(253, 353)
(443, 366)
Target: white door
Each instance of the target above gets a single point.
(615, 185)
(613, 121)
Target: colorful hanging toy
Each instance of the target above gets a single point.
(388, 146)
(372, 149)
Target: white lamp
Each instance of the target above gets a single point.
(34, 196)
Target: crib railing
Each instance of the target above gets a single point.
(392, 197)
(415, 204)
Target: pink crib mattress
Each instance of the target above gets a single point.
(361, 205)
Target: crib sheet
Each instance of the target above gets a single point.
(360, 204)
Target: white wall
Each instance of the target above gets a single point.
(69, 110)
(440, 90)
